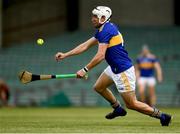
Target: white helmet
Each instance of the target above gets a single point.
(102, 11)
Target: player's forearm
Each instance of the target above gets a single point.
(79, 49)
(95, 61)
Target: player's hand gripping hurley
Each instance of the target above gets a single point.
(26, 77)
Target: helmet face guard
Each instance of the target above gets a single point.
(102, 11)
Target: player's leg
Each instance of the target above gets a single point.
(152, 93)
(127, 89)
(132, 103)
(101, 86)
(141, 88)
(125, 83)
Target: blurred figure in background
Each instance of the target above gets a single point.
(146, 63)
(4, 93)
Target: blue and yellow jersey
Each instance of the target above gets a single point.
(116, 56)
(146, 65)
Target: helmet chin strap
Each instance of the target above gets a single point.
(99, 26)
(100, 20)
(101, 23)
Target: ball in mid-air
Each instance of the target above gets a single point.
(40, 41)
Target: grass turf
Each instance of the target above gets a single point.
(81, 120)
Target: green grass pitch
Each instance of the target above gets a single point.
(81, 120)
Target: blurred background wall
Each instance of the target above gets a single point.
(28, 19)
(25, 20)
(65, 23)
(140, 13)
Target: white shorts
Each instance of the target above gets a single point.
(149, 81)
(125, 81)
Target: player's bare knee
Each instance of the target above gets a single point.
(98, 88)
